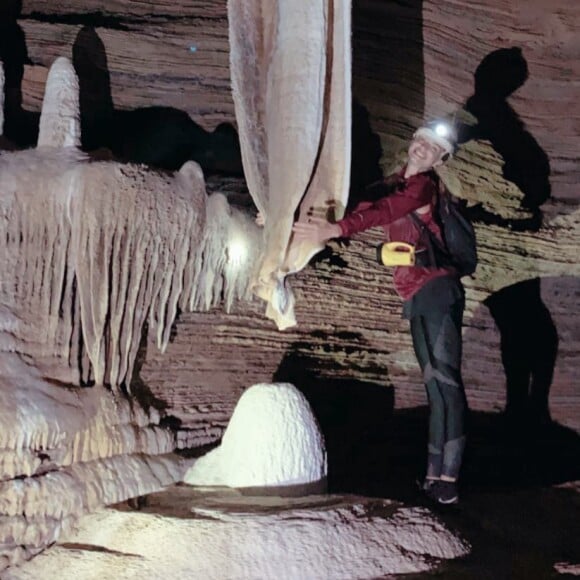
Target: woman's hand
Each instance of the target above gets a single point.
(260, 219)
(317, 230)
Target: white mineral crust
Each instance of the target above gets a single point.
(272, 439)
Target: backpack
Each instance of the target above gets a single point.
(460, 246)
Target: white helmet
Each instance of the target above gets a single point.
(439, 132)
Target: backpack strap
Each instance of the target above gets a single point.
(433, 243)
(424, 233)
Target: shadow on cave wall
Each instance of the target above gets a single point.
(382, 59)
(20, 125)
(366, 152)
(529, 340)
(526, 164)
(376, 450)
(163, 137)
(529, 348)
(141, 391)
(388, 64)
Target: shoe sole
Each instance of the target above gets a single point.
(451, 501)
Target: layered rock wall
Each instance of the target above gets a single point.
(411, 60)
(66, 451)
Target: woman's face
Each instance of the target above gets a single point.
(425, 154)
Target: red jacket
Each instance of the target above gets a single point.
(391, 212)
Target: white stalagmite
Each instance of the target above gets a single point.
(272, 439)
(60, 124)
(291, 80)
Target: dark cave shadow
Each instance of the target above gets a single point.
(498, 456)
(379, 451)
(529, 348)
(387, 49)
(163, 137)
(517, 523)
(348, 411)
(529, 340)
(380, 57)
(20, 125)
(526, 164)
(366, 153)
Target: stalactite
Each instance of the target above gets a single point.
(290, 66)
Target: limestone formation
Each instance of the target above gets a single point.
(93, 251)
(290, 66)
(272, 441)
(342, 538)
(409, 62)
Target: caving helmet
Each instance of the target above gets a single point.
(441, 132)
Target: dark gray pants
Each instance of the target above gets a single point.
(437, 341)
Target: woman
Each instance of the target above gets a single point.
(433, 297)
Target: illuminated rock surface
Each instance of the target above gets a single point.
(92, 252)
(272, 439)
(411, 60)
(186, 534)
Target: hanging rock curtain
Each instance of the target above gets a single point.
(291, 81)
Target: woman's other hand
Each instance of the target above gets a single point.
(317, 230)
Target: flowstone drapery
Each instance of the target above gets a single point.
(93, 251)
(291, 80)
(99, 248)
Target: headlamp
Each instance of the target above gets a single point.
(441, 133)
(442, 130)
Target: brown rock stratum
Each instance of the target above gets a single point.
(410, 62)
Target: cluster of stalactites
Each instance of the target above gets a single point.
(95, 250)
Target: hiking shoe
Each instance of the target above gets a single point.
(426, 485)
(444, 492)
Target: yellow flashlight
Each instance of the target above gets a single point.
(396, 254)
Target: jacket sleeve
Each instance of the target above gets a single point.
(418, 192)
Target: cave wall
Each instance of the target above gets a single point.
(411, 59)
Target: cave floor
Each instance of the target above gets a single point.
(528, 533)
(519, 509)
